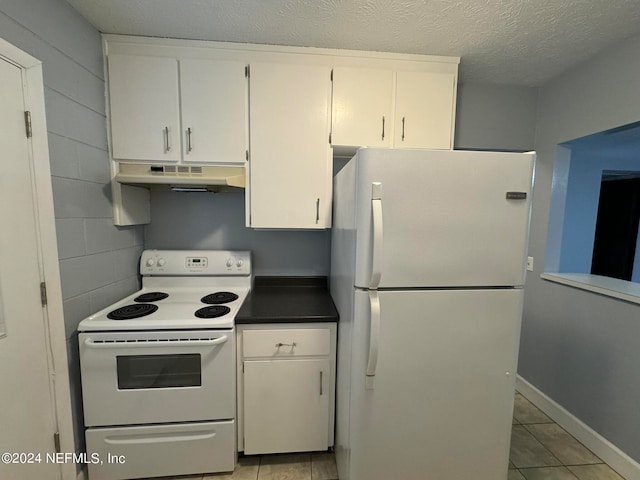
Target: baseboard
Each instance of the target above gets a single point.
(603, 448)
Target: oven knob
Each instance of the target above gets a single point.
(150, 262)
(161, 262)
(239, 263)
(230, 262)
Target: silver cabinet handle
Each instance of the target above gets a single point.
(403, 129)
(167, 146)
(280, 344)
(317, 211)
(189, 144)
(382, 127)
(320, 382)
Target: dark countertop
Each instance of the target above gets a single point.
(288, 300)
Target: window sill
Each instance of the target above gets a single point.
(609, 287)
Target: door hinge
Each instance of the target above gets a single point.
(27, 123)
(246, 71)
(246, 155)
(332, 74)
(329, 138)
(56, 441)
(43, 293)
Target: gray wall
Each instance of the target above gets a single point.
(216, 221)
(495, 117)
(97, 260)
(579, 348)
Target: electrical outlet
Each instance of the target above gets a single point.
(530, 264)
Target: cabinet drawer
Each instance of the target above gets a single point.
(286, 342)
(154, 450)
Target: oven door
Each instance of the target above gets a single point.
(157, 377)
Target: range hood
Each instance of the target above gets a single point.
(211, 178)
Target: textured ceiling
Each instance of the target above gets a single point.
(523, 42)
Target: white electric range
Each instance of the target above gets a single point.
(158, 368)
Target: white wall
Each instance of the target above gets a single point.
(97, 260)
(579, 348)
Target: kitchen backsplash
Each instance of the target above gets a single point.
(216, 221)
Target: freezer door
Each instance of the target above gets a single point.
(441, 218)
(441, 399)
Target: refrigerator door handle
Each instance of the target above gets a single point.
(376, 211)
(374, 339)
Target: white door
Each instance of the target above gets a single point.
(286, 405)
(448, 218)
(144, 108)
(291, 161)
(362, 107)
(26, 405)
(443, 389)
(424, 110)
(139, 373)
(214, 111)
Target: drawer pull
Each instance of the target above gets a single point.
(278, 345)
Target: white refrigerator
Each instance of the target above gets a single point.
(427, 268)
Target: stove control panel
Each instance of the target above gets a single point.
(196, 262)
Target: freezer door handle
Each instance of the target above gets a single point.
(376, 212)
(374, 338)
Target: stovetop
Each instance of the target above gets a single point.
(185, 290)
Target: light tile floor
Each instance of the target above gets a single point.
(297, 466)
(540, 450)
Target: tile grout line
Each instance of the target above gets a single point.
(563, 464)
(544, 447)
(573, 438)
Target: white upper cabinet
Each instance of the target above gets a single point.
(149, 94)
(214, 111)
(144, 108)
(291, 159)
(362, 107)
(191, 103)
(387, 108)
(424, 111)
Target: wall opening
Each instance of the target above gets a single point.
(616, 233)
(595, 206)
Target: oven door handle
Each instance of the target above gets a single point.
(156, 343)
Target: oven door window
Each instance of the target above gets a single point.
(137, 372)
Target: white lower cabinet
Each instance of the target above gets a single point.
(286, 388)
(286, 405)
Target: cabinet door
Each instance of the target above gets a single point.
(361, 107)
(424, 110)
(214, 111)
(291, 161)
(144, 108)
(286, 405)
